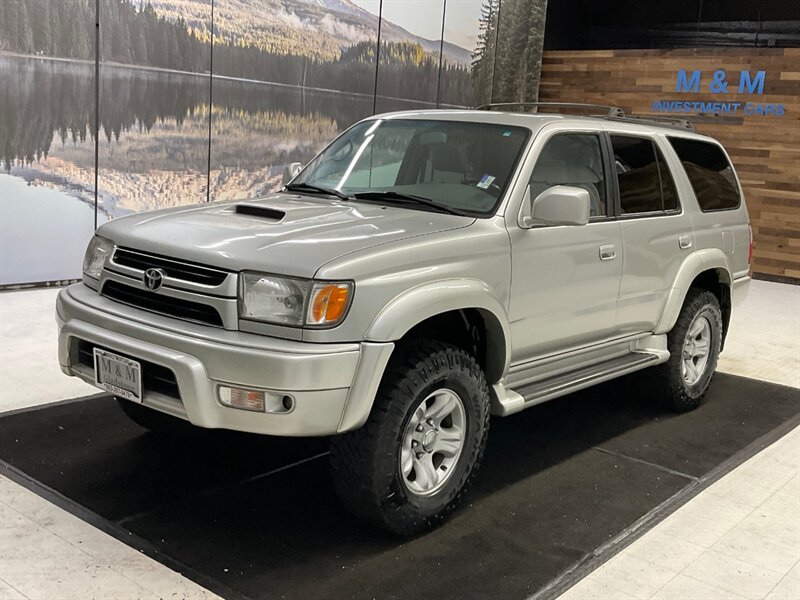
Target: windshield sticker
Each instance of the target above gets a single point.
(485, 181)
(506, 134)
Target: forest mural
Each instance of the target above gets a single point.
(175, 126)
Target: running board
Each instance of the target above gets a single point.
(510, 401)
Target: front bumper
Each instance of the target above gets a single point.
(332, 385)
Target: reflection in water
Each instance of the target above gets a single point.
(39, 100)
(43, 232)
(153, 146)
(154, 131)
(257, 129)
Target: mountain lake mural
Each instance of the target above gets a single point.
(206, 101)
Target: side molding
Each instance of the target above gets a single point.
(430, 299)
(695, 263)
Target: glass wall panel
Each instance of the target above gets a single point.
(612, 24)
(154, 79)
(411, 34)
(470, 31)
(601, 24)
(285, 82)
(726, 23)
(520, 40)
(46, 138)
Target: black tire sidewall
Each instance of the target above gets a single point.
(699, 304)
(473, 412)
(365, 462)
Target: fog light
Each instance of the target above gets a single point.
(255, 400)
(244, 399)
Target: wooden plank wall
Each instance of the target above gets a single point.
(765, 149)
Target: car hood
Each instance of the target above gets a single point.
(282, 233)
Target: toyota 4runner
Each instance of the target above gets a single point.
(425, 270)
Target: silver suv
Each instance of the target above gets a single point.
(425, 270)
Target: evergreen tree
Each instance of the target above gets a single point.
(8, 25)
(519, 50)
(24, 30)
(139, 53)
(484, 55)
(43, 20)
(133, 32)
(81, 46)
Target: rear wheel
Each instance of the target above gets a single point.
(408, 467)
(694, 345)
(156, 421)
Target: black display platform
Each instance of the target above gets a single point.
(256, 517)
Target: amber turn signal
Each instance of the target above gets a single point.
(328, 303)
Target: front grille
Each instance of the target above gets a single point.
(162, 304)
(155, 378)
(185, 271)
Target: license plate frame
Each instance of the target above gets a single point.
(120, 375)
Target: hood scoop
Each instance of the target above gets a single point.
(255, 210)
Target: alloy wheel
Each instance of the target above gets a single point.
(432, 442)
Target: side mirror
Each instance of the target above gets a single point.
(291, 171)
(558, 205)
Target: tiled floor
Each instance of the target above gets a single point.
(764, 338)
(47, 553)
(739, 538)
(29, 373)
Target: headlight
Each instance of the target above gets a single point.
(293, 302)
(97, 253)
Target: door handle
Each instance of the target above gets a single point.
(608, 252)
(684, 241)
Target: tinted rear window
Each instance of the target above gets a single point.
(710, 174)
(643, 178)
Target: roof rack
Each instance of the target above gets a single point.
(607, 111)
(612, 113)
(670, 122)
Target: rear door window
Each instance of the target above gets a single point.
(644, 180)
(709, 172)
(637, 175)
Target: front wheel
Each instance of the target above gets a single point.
(694, 346)
(408, 467)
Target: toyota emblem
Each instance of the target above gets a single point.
(153, 278)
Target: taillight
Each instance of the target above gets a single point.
(750, 251)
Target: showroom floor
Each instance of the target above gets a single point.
(737, 538)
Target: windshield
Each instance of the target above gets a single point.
(461, 166)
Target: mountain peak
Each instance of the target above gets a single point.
(318, 28)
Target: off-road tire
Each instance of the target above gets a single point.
(365, 462)
(155, 421)
(670, 386)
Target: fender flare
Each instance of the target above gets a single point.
(434, 298)
(694, 264)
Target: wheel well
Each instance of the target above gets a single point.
(717, 281)
(474, 330)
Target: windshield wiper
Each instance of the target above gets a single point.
(308, 187)
(390, 195)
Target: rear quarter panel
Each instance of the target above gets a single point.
(728, 230)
